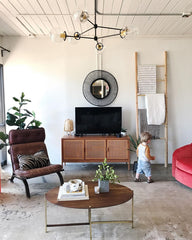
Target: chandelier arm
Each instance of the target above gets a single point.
(106, 36)
(111, 28)
(86, 37)
(90, 21)
(3, 49)
(87, 30)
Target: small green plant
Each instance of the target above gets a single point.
(20, 115)
(3, 138)
(134, 143)
(123, 130)
(105, 172)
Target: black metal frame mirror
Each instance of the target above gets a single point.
(100, 88)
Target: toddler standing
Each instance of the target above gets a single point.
(144, 157)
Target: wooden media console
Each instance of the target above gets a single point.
(95, 149)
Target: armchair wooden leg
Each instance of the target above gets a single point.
(60, 178)
(12, 178)
(26, 188)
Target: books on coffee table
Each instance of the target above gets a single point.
(68, 192)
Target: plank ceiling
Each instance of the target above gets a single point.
(147, 17)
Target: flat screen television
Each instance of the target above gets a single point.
(98, 120)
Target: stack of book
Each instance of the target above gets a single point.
(67, 192)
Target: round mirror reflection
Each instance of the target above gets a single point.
(100, 88)
(108, 88)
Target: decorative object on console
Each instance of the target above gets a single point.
(68, 126)
(105, 174)
(100, 88)
(123, 132)
(84, 17)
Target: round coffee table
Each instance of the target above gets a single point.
(118, 194)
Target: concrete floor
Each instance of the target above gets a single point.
(162, 210)
(87, 171)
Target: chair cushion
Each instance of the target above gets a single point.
(185, 164)
(36, 172)
(36, 160)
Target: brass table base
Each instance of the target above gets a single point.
(86, 223)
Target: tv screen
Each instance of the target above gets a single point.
(98, 120)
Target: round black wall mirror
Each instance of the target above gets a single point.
(100, 88)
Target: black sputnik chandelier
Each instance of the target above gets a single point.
(84, 16)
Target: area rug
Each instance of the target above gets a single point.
(162, 211)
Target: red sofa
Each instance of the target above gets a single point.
(182, 165)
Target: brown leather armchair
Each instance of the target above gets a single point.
(28, 142)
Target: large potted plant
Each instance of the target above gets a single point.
(4, 139)
(104, 175)
(3, 143)
(134, 144)
(20, 117)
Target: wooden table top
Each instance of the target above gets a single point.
(117, 194)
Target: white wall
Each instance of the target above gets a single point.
(52, 74)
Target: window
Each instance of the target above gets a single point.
(3, 159)
(2, 100)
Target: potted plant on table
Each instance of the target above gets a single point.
(105, 174)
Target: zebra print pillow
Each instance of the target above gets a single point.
(37, 160)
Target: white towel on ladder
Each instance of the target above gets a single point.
(155, 105)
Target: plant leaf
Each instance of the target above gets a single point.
(22, 96)
(11, 117)
(15, 108)
(16, 99)
(133, 142)
(26, 100)
(3, 136)
(31, 114)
